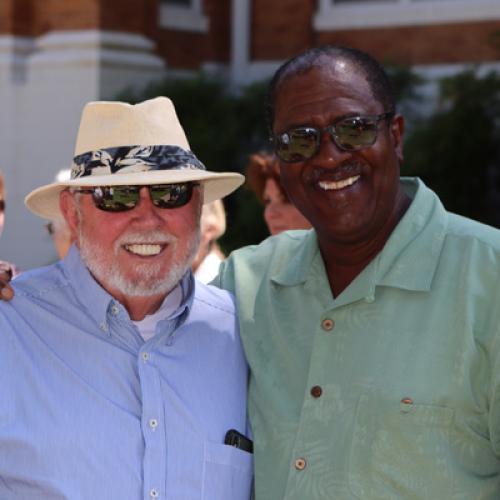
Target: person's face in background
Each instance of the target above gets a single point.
(279, 214)
(61, 236)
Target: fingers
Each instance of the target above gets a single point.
(6, 292)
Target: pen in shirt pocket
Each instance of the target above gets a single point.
(238, 440)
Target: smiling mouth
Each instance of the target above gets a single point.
(336, 185)
(143, 249)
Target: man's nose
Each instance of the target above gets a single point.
(329, 154)
(145, 205)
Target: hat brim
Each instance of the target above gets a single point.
(44, 201)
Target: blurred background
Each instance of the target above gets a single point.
(214, 58)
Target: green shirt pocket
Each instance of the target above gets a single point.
(400, 449)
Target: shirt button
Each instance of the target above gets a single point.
(153, 423)
(104, 327)
(327, 324)
(114, 310)
(145, 356)
(300, 463)
(153, 493)
(406, 404)
(316, 391)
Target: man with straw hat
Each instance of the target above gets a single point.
(120, 375)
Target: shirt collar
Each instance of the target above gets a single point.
(97, 301)
(418, 237)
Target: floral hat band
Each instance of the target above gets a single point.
(128, 159)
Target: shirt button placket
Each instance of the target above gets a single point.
(115, 310)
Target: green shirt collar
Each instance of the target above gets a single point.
(418, 236)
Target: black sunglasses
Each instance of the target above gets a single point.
(123, 198)
(2, 205)
(349, 134)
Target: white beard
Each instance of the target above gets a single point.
(147, 279)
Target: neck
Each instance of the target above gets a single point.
(344, 261)
(139, 307)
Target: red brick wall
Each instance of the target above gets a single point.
(16, 17)
(446, 43)
(189, 50)
(131, 16)
(281, 28)
(52, 15)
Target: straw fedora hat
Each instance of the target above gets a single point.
(122, 144)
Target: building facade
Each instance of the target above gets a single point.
(56, 55)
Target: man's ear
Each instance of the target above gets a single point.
(69, 209)
(397, 132)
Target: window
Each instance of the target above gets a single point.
(349, 14)
(185, 15)
(186, 3)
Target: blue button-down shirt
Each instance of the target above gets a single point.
(88, 410)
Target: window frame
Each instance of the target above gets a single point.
(183, 17)
(332, 16)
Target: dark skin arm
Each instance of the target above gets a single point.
(6, 292)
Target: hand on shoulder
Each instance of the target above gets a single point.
(6, 273)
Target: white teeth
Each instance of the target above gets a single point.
(339, 184)
(143, 249)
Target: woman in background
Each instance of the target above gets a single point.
(212, 226)
(263, 178)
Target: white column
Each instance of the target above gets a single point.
(240, 41)
(44, 84)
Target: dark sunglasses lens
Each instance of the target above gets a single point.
(116, 198)
(2, 205)
(297, 145)
(171, 195)
(355, 133)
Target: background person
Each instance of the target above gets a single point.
(58, 228)
(212, 227)
(263, 178)
(120, 374)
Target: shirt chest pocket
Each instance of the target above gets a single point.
(227, 473)
(400, 450)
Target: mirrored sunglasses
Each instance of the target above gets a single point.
(123, 198)
(349, 134)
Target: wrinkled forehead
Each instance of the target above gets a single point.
(323, 91)
(326, 66)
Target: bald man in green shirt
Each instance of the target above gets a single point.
(373, 339)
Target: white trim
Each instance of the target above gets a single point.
(240, 40)
(183, 18)
(93, 46)
(15, 49)
(388, 13)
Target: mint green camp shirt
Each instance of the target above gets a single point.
(392, 389)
